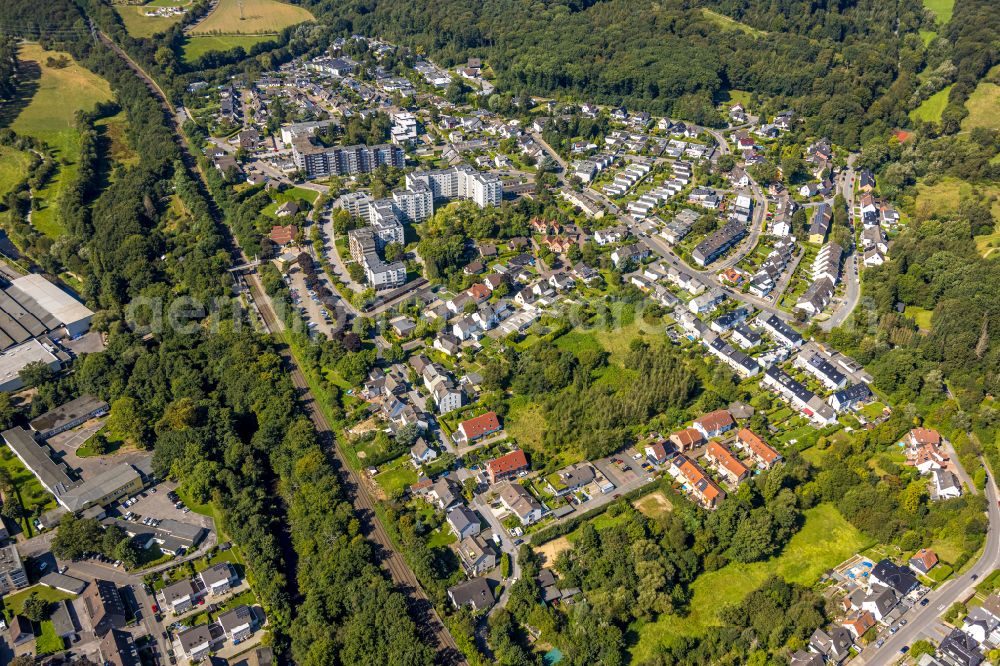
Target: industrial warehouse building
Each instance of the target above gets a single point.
(34, 312)
(74, 495)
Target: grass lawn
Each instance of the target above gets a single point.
(196, 47)
(942, 9)
(49, 116)
(291, 194)
(48, 642)
(13, 164)
(397, 475)
(31, 493)
(525, 423)
(983, 104)
(258, 16)
(139, 25)
(12, 603)
(208, 509)
(930, 109)
(440, 538)
(824, 541)
(727, 23)
(919, 315)
(927, 36)
(654, 504)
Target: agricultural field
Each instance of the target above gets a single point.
(258, 17)
(196, 47)
(931, 108)
(139, 25)
(824, 541)
(62, 91)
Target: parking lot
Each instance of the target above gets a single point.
(158, 505)
(317, 317)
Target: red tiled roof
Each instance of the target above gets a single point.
(699, 481)
(725, 458)
(687, 437)
(658, 449)
(510, 462)
(927, 558)
(757, 446)
(925, 436)
(480, 425)
(283, 235)
(479, 292)
(715, 420)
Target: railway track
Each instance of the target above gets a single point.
(429, 623)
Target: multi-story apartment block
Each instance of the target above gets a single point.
(460, 182)
(318, 160)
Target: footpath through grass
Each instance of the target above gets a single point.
(825, 540)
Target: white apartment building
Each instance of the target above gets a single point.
(460, 182)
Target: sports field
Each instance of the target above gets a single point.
(258, 17)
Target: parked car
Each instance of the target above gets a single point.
(924, 602)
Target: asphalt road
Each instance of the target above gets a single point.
(922, 619)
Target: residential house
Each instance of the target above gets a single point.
(879, 602)
(834, 645)
(762, 455)
(237, 624)
(520, 502)
(104, 606)
(887, 573)
(180, 596)
(421, 453)
(850, 397)
(745, 336)
(117, 648)
(475, 593)
(463, 521)
(714, 423)
(479, 427)
(923, 560)
(696, 481)
(819, 225)
(726, 464)
(923, 436)
(803, 658)
(507, 466)
(780, 331)
(656, 452)
(448, 344)
(219, 578)
(960, 649)
(477, 555)
(570, 479)
(444, 493)
(859, 624)
(196, 642)
(945, 485)
(687, 439)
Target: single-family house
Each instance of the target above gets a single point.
(479, 427)
(714, 423)
(463, 521)
(687, 439)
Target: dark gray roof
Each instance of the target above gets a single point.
(67, 413)
(475, 592)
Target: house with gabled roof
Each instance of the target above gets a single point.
(725, 463)
(763, 455)
(714, 423)
(705, 491)
(687, 439)
(506, 466)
